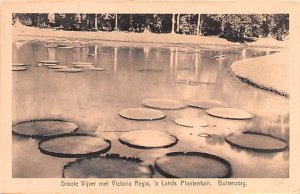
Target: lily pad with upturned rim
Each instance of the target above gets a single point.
(257, 142)
(167, 104)
(109, 166)
(49, 64)
(19, 64)
(229, 113)
(81, 63)
(95, 69)
(18, 68)
(205, 135)
(191, 122)
(148, 139)
(142, 114)
(84, 66)
(57, 67)
(192, 165)
(76, 145)
(49, 61)
(40, 128)
(70, 70)
(206, 104)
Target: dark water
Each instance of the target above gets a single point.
(133, 73)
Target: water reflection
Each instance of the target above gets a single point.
(93, 100)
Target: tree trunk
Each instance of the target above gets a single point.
(173, 24)
(116, 26)
(198, 25)
(178, 20)
(96, 22)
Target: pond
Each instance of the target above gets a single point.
(133, 73)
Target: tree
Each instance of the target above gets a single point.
(211, 24)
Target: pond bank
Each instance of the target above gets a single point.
(269, 72)
(21, 32)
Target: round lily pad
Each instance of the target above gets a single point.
(109, 166)
(206, 135)
(191, 122)
(74, 146)
(49, 64)
(229, 113)
(95, 69)
(57, 67)
(192, 165)
(206, 104)
(39, 128)
(147, 139)
(18, 64)
(163, 104)
(49, 61)
(142, 114)
(257, 142)
(70, 70)
(18, 68)
(84, 66)
(82, 63)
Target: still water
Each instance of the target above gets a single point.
(134, 72)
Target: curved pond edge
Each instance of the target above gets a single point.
(252, 82)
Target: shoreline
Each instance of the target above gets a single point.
(266, 72)
(21, 32)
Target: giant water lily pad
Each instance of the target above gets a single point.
(191, 122)
(18, 64)
(81, 63)
(229, 113)
(57, 67)
(39, 128)
(95, 69)
(74, 146)
(142, 114)
(147, 139)
(49, 61)
(84, 66)
(110, 166)
(256, 142)
(206, 104)
(70, 70)
(14, 68)
(49, 64)
(163, 104)
(192, 165)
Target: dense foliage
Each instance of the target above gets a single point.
(233, 27)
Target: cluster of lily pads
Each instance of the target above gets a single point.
(76, 66)
(60, 138)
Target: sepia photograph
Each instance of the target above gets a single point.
(121, 95)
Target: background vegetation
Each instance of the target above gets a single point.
(233, 27)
